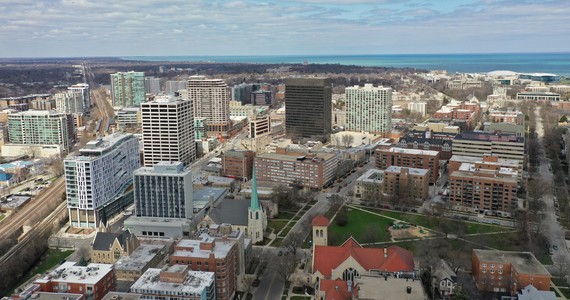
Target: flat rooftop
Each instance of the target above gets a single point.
(101, 145)
(68, 272)
(474, 159)
(221, 248)
(195, 283)
(121, 296)
(139, 258)
(16, 202)
(372, 175)
(298, 158)
(378, 288)
(56, 296)
(489, 137)
(524, 262)
(413, 171)
(411, 151)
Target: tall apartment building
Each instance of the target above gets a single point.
(82, 88)
(488, 162)
(41, 128)
(484, 189)
(211, 99)
(419, 107)
(152, 85)
(128, 88)
(69, 102)
(97, 178)
(238, 163)
(173, 86)
(259, 133)
(308, 106)
(175, 282)
(167, 131)
(406, 183)
(508, 271)
(369, 109)
(163, 191)
(312, 170)
(411, 158)
(211, 255)
(479, 144)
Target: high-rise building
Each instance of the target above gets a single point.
(69, 102)
(97, 178)
(308, 103)
(369, 109)
(41, 128)
(173, 86)
(168, 131)
(82, 88)
(163, 191)
(128, 88)
(211, 99)
(152, 85)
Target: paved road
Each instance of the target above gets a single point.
(551, 228)
(271, 285)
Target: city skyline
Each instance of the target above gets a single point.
(310, 27)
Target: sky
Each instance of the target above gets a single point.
(82, 28)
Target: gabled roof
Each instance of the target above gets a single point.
(327, 258)
(337, 290)
(444, 271)
(320, 221)
(104, 240)
(231, 211)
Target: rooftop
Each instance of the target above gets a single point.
(411, 151)
(315, 158)
(14, 202)
(68, 272)
(524, 262)
(192, 248)
(195, 283)
(378, 288)
(372, 175)
(473, 159)
(37, 113)
(55, 296)
(164, 168)
(139, 258)
(121, 296)
(489, 137)
(413, 171)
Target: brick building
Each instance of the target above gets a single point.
(508, 271)
(479, 144)
(211, 255)
(427, 140)
(313, 170)
(175, 282)
(411, 158)
(93, 281)
(406, 183)
(483, 189)
(488, 162)
(238, 163)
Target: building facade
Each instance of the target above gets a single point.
(128, 89)
(508, 271)
(211, 255)
(479, 144)
(82, 88)
(163, 191)
(238, 163)
(538, 96)
(410, 158)
(211, 99)
(152, 85)
(369, 109)
(96, 179)
(308, 106)
(168, 131)
(69, 102)
(311, 170)
(41, 128)
(406, 183)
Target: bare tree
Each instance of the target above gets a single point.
(347, 140)
(284, 266)
(293, 242)
(561, 264)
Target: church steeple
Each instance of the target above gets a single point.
(254, 205)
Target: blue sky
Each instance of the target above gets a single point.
(42, 28)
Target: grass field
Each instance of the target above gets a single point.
(358, 222)
(2, 216)
(51, 259)
(276, 225)
(285, 215)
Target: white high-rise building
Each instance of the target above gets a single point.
(152, 85)
(168, 131)
(418, 107)
(97, 178)
(173, 86)
(211, 99)
(368, 109)
(82, 88)
(163, 191)
(69, 102)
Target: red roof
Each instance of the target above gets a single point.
(320, 221)
(327, 258)
(337, 289)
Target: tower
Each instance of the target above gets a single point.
(369, 109)
(320, 234)
(257, 220)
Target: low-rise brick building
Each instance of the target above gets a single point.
(238, 163)
(406, 183)
(410, 158)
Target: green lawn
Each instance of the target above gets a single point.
(483, 228)
(276, 225)
(553, 290)
(51, 259)
(359, 222)
(560, 282)
(2, 216)
(285, 215)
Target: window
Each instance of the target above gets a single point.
(484, 265)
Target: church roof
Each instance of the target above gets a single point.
(104, 240)
(337, 289)
(327, 258)
(320, 221)
(231, 211)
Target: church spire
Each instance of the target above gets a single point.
(254, 205)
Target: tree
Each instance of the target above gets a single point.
(561, 264)
(341, 219)
(347, 140)
(563, 119)
(293, 242)
(284, 266)
(336, 202)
